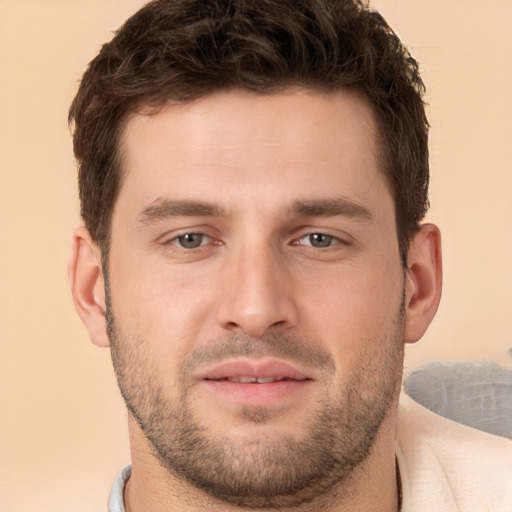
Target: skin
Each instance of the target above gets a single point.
(258, 273)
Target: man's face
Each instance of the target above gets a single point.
(256, 290)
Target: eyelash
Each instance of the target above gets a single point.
(332, 241)
(176, 240)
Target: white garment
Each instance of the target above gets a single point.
(448, 467)
(444, 466)
(116, 499)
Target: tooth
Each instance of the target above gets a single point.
(242, 380)
(264, 380)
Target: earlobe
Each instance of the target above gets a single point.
(423, 281)
(87, 285)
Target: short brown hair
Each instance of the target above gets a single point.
(185, 49)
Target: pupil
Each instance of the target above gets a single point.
(191, 240)
(320, 240)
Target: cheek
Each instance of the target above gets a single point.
(168, 310)
(355, 311)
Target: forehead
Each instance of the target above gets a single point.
(290, 113)
(299, 142)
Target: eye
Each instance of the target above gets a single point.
(319, 240)
(191, 240)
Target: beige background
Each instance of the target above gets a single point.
(62, 424)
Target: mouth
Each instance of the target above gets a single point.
(255, 382)
(250, 371)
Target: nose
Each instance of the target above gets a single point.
(257, 293)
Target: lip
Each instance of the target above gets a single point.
(264, 368)
(291, 382)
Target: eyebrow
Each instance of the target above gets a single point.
(162, 209)
(332, 208)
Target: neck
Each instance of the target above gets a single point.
(373, 485)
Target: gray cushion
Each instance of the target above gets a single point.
(478, 395)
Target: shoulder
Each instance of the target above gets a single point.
(448, 466)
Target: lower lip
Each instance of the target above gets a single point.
(255, 394)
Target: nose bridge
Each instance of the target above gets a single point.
(257, 296)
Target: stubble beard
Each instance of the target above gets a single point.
(263, 471)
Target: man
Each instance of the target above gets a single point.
(253, 176)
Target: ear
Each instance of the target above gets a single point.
(85, 275)
(423, 281)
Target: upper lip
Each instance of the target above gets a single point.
(264, 368)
